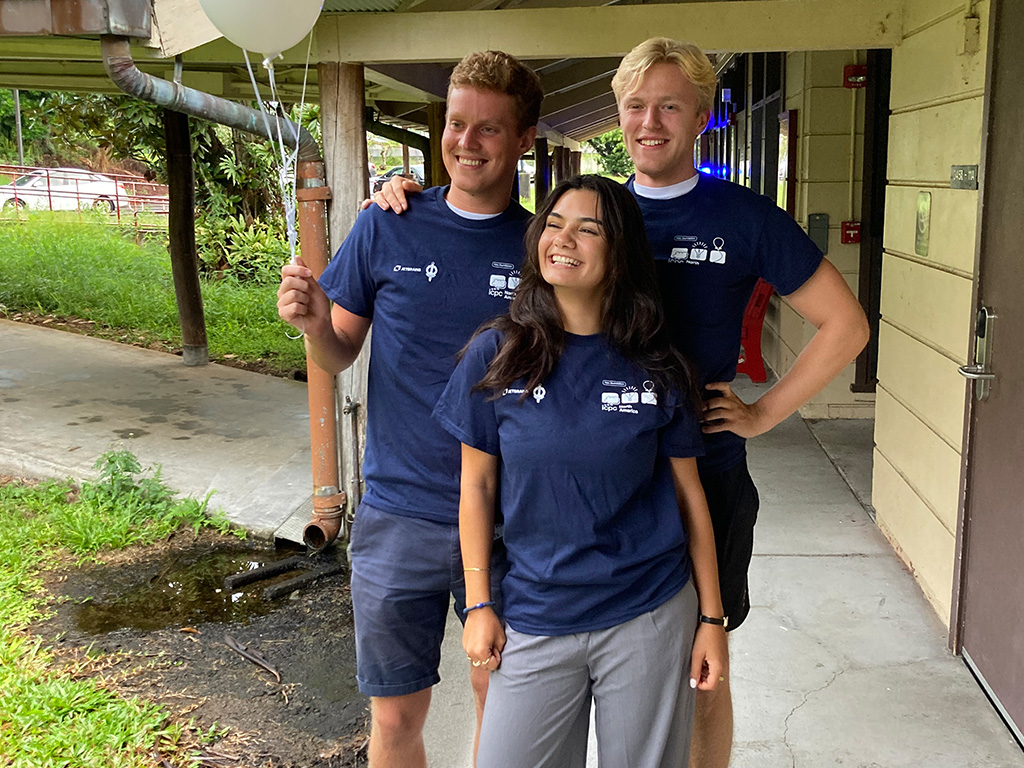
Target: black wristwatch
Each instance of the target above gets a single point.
(722, 622)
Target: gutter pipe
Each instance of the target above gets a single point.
(312, 193)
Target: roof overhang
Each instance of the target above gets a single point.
(127, 18)
(574, 45)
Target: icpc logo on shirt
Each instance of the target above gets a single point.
(503, 281)
(430, 271)
(696, 251)
(622, 397)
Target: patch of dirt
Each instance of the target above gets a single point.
(313, 718)
(139, 339)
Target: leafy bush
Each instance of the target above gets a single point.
(251, 250)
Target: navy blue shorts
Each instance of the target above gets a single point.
(404, 573)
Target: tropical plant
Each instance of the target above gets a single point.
(612, 154)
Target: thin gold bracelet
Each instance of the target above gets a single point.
(466, 570)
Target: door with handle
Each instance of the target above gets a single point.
(991, 589)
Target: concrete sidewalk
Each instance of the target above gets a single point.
(841, 662)
(66, 399)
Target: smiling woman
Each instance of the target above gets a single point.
(606, 529)
(573, 252)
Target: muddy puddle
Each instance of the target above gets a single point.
(188, 588)
(161, 618)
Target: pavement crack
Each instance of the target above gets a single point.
(806, 696)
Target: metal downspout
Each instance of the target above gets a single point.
(312, 193)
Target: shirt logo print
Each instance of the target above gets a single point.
(620, 397)
(698, 251)
(503, 281)
(430, 271)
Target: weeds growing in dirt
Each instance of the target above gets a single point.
(47, 716)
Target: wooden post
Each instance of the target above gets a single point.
(405, 158)
(342, 112)
(575, 163)
(438, 174)
(563, 164)
(17, 126)
(182, 236)
(542, 170)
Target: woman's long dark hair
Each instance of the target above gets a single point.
(632, 319)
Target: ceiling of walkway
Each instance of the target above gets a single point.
(409, 46)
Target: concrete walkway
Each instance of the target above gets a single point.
(841, 662)
(66, 399)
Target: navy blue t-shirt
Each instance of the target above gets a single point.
(711, 245)
(592, 526)
(428, 279)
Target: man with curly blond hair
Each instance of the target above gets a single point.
(425, 280)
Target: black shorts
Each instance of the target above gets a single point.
(732, 500)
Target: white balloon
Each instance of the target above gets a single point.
(266, 26)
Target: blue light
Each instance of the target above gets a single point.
(705, 169)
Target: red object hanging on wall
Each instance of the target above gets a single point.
(855, 75)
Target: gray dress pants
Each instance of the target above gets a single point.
(638, 674)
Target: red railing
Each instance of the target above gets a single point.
(75, 189)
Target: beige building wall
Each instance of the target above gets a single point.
(830, 145)
(936, 122)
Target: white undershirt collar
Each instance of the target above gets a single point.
(470, 215)
(669, 192)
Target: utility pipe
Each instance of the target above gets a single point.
(312, 193)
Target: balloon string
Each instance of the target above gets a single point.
(287, 169)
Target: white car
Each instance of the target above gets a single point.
(64, 189)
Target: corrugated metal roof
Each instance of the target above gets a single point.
(354, 6)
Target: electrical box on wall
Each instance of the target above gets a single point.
(855, 75)
(817, 230)
(850, 232)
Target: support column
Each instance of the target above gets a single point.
(561, 163)
(182, 236)
(575, 163)
(17, 126)
(342, 115)
(437, 174)
(542, 170)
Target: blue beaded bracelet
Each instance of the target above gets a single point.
(468, 608)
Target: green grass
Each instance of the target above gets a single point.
(49, 717)
(80, 267)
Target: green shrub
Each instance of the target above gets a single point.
(248, 251)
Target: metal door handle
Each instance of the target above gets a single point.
(975, 372)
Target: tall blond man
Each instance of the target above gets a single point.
(712, 240)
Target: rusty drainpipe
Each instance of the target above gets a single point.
(312, 193)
